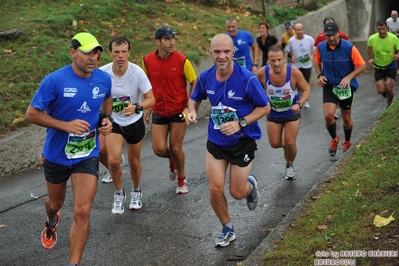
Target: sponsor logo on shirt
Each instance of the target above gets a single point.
(84, 108)
(240, 42)
(70, 92)
(231, 96)
(210, 92)
(96, 94)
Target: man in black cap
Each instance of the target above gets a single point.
(338, 79)
(169, 72)
(289, 32)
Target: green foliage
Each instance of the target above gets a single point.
(341, 218)
(275, 14)
(312, 5)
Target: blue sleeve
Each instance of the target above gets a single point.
(256, 93)
(199, 92)
(45, 94)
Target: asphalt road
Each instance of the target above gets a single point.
(175, 229)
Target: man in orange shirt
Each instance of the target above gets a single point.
(338, 79)
(321, 37)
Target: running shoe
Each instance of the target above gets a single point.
(307, 105)
(333, 146)
(49, 234)
(289, 172)
(182, 187)
(119, 199)
(347, 145)
(225, 237)
(136, 201)
(336, 116)
(122, 160)
(252, 199)
(107, 178)
(172, 173)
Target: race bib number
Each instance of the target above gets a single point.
(222, 114)
(80, 146)
(119, 103)
(342, 93)
(240, 61)
(281, 104)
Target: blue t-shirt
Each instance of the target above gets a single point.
(242, 46)
(231, 99)
(66, 96)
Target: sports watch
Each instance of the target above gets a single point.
(243, 122)
(139, 108)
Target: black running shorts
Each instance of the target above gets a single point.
(330, 97)
(165, 120)
(132, 133)
(385, 73)
(241, 154)
(282, 120)
(56, 174)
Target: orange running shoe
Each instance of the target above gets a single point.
(49, 235)
(333, 146)
(347, 145)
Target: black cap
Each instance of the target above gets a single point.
(288, 24)
(164, 32)
(331, 28)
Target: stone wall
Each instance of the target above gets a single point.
(313, 21)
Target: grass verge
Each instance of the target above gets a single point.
(48, 25)
(340, 218)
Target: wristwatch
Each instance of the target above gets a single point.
(139, 108)
(300, 105)
(102, 116)
(243, 122)
(318, 76)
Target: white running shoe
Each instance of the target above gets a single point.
(107, 178)
(119, 199)
(289, 172)
(225, 237)
(136, 201)
(122, 160)
(253, 197)
(307, 105)
(336, 116)
(182, 187)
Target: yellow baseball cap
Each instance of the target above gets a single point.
(85, 42)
